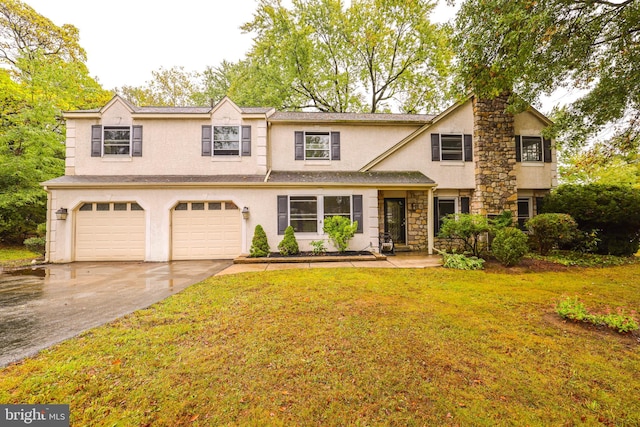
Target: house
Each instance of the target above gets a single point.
(167, 183)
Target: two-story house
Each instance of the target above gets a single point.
(167, 183)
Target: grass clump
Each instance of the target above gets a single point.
(573, 309)
(580, 259)
(461, 261)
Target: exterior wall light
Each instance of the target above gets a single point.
(245, 212)
(61, 214)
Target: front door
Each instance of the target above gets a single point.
(395, 219)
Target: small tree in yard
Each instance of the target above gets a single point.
(550, 230)
(340, 231)
(466, 228)
(259, 244)
(289, 244)
(509, 246)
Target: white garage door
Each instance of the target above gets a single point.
(206, 230)
(110, 232)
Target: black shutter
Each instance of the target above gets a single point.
(539, 203)
(246, 140)
(464, 205)
(546, 143)
(299, 145)
(335, 145)
(283, 218)
(518, 149)
(436, 219)
(468, 148)
(357, 212)
(206, 140)
(136, 141)
(435, 147)
(96, 141)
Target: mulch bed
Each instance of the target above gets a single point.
(528, 265)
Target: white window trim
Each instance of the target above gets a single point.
(225, 157)
(317, 159)
(532, 162)
(456, 162)
(117, 157)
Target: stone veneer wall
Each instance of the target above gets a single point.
(495, 155)
(417, 215)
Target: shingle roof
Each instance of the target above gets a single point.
(285, 116)
(153, 179)
(376, 177)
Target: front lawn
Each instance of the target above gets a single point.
(14, 256)
(353, 347)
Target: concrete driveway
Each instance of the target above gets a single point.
(45, 305)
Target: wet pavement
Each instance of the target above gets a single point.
(45, 305)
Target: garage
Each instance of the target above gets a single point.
(110, 232)
(206, 230)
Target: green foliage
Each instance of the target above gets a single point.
(550, 230)
(467, 229)
(573, 309)
(318, 247)
(340, 231)
(613, 211)
(503, 220)
(172, 87)
(510, 246)
(461, 261)
(259, 243)
(289, 244)
(580, 259)
(35, 244)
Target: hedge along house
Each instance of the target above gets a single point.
(168, 183)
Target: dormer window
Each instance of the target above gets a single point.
(226, 140)
(122, 141)
(117, 140)
(317, 146)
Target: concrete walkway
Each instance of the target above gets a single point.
(400, 260)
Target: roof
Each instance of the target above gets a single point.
(377, 177)
(151, 179)
(288, 116)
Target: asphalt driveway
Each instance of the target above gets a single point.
(45, 305)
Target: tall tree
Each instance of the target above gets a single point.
(168, 87)
(369, 56)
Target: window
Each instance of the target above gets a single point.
(337, 206)
(524, 212)
(531, 148)
(303, 211)
(317, 146)
(226, 140)
(451, 147)
(117, 140)
(445, 207)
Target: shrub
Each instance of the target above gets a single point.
(289, 244)
(572, 309)
(35, 244)
(550, 230)
(614, 211)
(509, 246)
(461, 261)
(466, 228)
(340, 231)
(318, 247)
(259, 244)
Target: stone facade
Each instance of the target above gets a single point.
(417, 215)
(495, 155)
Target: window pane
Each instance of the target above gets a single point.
(303, 212)
(116, 140)
(197, 206)
(87, 207)
(181, 207)
(531, 149)
(445, 207)
(102, 206)
(229, 206)
(119, 206)
(337, 206)
(523, 212)
(451, 147)
(215, 206)
(317, 145)
(136, 207)
(226, 140)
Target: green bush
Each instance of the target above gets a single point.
(340, 231)
(550, 230)
(572, 309)
(461, 261)
(259, 244)
(318, 247)
(614, 211)
(289, 244)
(35, 244)
(510, 246)
(466, 228)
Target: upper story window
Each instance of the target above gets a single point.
(220, 141)
(226, 140)
(117, 140)
(317, 145)
(451, 147)
(531, 149)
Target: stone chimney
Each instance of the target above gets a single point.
(495, 155)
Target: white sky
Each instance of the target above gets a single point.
(127, 39)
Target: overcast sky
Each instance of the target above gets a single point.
(127, 39)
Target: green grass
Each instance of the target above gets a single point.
(16, 256)
(353, 347)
